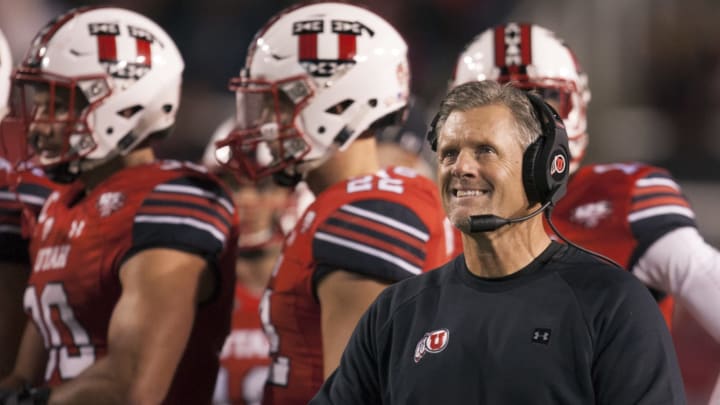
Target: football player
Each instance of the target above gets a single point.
(405, 145)
(21, 198)
(632, 212)
(267, 211)
(131, 289)
(319, 80)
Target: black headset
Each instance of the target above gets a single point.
(545, 172)
(545, 162)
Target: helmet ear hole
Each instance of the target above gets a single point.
(340, 107)
(130, 111)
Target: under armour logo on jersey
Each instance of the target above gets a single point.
(541, 335)
(110, 202)
(433, 342)
(76, 228)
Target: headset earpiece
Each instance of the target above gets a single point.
(432, 135)
(545, 162)
(530, 160)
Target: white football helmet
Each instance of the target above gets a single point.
(212, 155)
(5, 69)
(533, 58)
(120, 72)
(316, 77)
(267, 211)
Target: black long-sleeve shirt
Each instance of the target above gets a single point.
(566, 329)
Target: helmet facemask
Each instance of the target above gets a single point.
(267, 138)
(54, 113)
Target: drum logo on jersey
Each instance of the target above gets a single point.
(51, 258)
(590, 215)
(433, 342)
(110, 202)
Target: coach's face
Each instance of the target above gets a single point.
(480, 165)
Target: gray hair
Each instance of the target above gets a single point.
(477, 94)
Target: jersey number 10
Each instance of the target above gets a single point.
(69, 364)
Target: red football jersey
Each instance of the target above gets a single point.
(81, 241)
(619, 210)
(387, 226)
(244, 360)
(22, 195)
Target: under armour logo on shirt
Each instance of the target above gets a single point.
(541, 335)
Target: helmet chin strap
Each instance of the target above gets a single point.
(61, 173)
(69, 171)
(299, 173)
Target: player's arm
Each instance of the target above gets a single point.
(359, 250)
(148, 331)
(681, 263)
(18, 206)
(167, 272)
(13, 279)
(356, 379)
(671, 255)
(30, 363)
(344, 297)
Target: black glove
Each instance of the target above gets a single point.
(25, 396)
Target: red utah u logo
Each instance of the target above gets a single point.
(437, 341)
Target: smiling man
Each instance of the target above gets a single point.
(517, 319)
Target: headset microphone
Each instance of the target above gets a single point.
(489, 223)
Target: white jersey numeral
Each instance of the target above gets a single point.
(70, 360)
(280, 366)
(367, 183)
